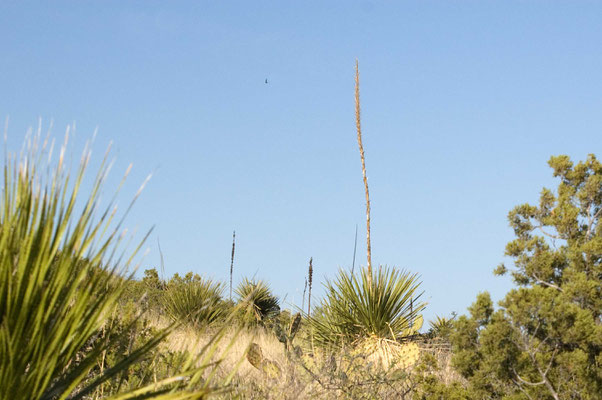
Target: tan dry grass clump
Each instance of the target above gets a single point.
(374, 367)
(193, 340)
(386, 353)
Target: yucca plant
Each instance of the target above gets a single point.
(441, 327)
(61, 275)
(382, 305)
(194, 300)
(259, 304)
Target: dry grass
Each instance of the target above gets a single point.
(441, 351)
(351, 373)
(187, 339)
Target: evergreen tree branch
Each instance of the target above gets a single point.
(548, 284)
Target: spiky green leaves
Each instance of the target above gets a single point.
(383, 305)
(58, 281)
(258, 300)
(61, 276)
(441, 327)
(194, 300)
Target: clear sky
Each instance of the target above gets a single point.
(463, 103)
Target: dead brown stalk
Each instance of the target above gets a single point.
(310, 275)
(359, 142)
(232, 261)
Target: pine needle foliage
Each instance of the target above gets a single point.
(359, 307)
(544, 341)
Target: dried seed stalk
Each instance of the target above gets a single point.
(232, 261)
(359, 142)
(310, 280)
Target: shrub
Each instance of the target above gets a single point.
(147, 293)
(382, 306)
(441, 327)
(60, 281)
(259, 304)
(194, 300)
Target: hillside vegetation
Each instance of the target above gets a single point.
(76, 324)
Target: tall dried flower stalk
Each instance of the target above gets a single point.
(232, 261)
(310, 275)
(359, 142)
(304, 291)
(354, 251)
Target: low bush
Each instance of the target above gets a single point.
(194, 300)
(62, 274)
(383, 305)
(258, 302)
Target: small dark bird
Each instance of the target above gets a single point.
(266, 80)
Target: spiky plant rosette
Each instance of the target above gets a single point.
(441, 327)
(259, 302)
(62, 271)
(194, 301)
(359, 306)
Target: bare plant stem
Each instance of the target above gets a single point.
(310, 280)
(232, 261)
(359, 142)
(354, 250)
(162, 262)
(304, 291)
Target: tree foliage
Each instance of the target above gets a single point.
(545, 340)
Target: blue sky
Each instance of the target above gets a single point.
(463, 103)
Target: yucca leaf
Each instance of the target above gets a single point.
(62, 272)
(383, 305)
(258, 300)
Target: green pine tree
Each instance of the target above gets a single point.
(545, 340)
